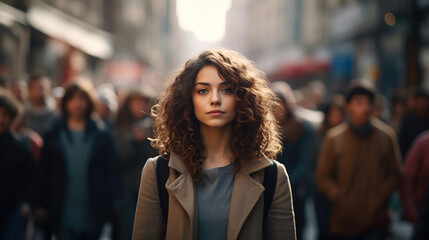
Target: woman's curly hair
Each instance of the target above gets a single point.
(255, 130)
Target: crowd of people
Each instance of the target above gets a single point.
(359, 162)
(71, 164)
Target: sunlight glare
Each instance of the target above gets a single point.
(206, 19)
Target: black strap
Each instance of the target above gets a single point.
(269, 183)
(162, 173)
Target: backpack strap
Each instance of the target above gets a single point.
(269, 183)
(162, 172)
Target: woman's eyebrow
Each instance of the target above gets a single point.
(208, 84)
(202, 83)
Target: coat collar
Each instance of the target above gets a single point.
(245, 193)
(179, 165)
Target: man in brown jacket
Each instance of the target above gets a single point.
(358, 169)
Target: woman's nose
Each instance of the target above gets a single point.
(215, 98)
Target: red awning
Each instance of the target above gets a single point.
(301, 68)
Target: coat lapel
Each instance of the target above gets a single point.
(182, 187)
(245, 193)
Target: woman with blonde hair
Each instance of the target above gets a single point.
(215, 129)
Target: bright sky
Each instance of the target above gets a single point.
(204, 18)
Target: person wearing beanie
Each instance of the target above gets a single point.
(358, 168)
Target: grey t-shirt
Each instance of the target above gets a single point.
(213, 197)
(77, 151)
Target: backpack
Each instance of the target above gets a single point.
(162, 172)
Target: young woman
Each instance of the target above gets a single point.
(79, 178)
(131, 131)
(215, 127)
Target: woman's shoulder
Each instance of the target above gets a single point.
(151, 165)
(281, 171)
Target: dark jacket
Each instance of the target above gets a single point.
(411, 127)
(17, 174)
(104, 181)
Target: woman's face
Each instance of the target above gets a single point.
(213, 99)
(137, 106)
(77, 106)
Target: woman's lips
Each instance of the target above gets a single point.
(215, 113)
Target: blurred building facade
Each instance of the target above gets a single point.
(96, 38)
(14, 38)
(334, 40)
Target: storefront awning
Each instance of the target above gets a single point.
(10, 15)
(301, 68)
(78, 34)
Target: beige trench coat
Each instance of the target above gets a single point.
(245, 217)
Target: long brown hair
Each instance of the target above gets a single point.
(255, 130)
(83, 86)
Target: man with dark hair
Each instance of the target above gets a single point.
(358, 168)
(17, 172)
(79, 182)
(40, 109)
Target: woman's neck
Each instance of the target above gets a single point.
(217, 146)
(76, 124)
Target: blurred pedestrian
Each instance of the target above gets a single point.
(17, 172)
(358, 169)
(415, 122)
(415, 174)
(40, 109)
(132, 128)
(380, 110)
(334, 115)
(28, 136)
(79, 180)
(19, 88)
(107, 105)
(298, 140)
(398, 108)
(215, 126)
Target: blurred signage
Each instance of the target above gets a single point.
(124, 73)
(301, 68)
(352, 19)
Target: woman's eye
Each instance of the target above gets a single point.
(202, 91)
(227, 90)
